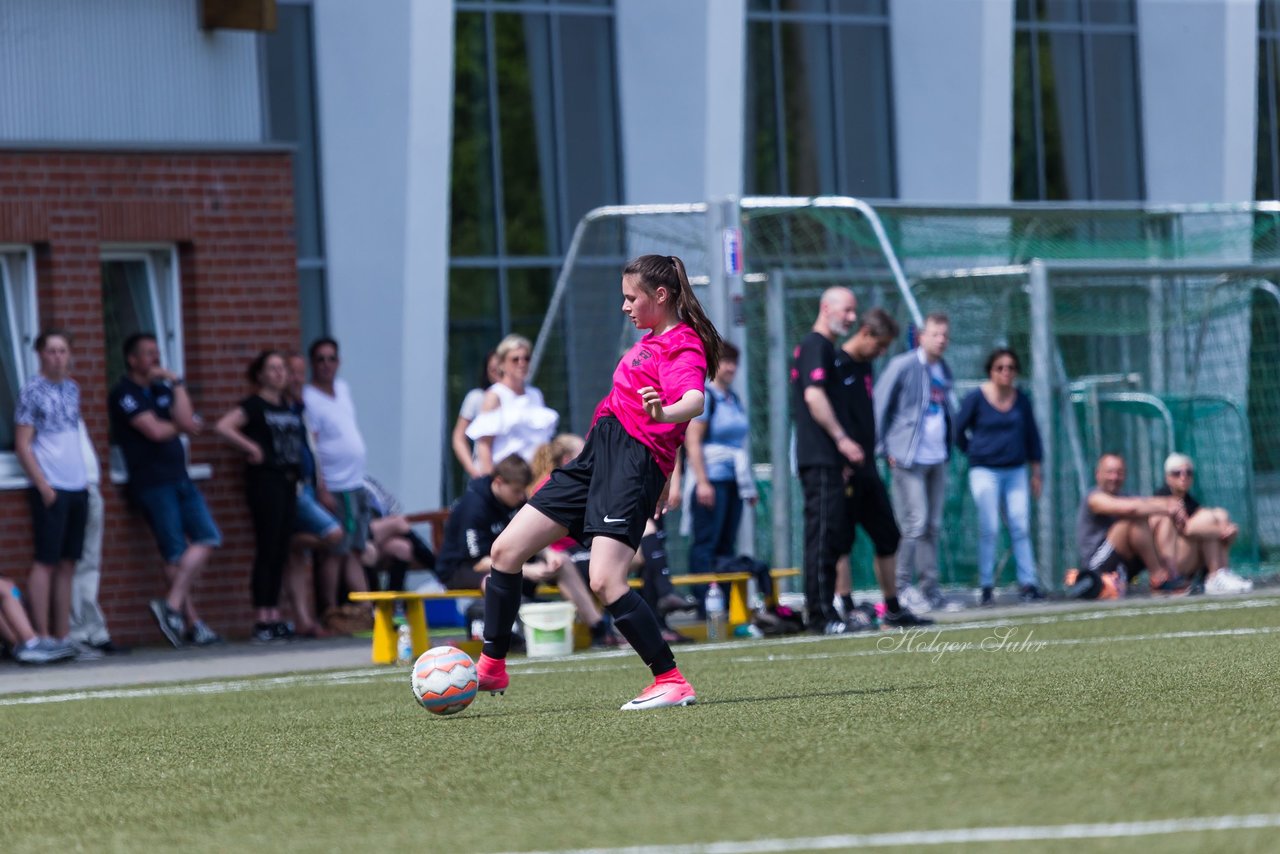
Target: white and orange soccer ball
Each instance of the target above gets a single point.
(444, 680)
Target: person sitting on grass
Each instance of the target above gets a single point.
(1113, 533)
(16, 630)
(1202, 548)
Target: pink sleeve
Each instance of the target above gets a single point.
(684, 371)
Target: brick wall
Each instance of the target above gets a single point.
(231, 217)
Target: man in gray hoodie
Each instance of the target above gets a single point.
(915, 435)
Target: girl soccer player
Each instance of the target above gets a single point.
(608, 492)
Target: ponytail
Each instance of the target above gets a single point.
(667, 271)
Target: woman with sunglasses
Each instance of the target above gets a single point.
(1203, 547)
(997, 430)
(514, 418)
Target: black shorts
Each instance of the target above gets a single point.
(611, 489)
(58, 531)
(867, 504)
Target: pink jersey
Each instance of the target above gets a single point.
(674, 363)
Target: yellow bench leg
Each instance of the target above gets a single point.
(738, 612)
(415, 614)
(384, 633)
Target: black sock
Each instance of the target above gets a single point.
(891, 604)
(599, 630)
(501, 605)
(635, 620)
(847, 601)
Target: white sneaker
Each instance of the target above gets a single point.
(1225, 582)
(914, 601)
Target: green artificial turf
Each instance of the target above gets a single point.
(1113, 719)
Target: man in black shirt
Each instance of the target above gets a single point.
(866, 500)
(824, 449)
(150, 410)
(476, 520)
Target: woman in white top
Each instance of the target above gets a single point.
(513, 418)
(462, 447)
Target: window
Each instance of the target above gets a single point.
(535, 147)
(19, 326)
(1267, 176)
(288, 69)
(1076, 125)
(141, 292)
(819, 118)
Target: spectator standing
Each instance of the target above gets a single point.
(997, 430)
(271, 435)
(866, 500)
(340, 452)
(463, 448)
(824, 450)
(514, 418)
(314, 527)
(16, 630)
(719, 475)
(47, 443)
(1203, 548)
(150, 412)
(914, 429)
(1113, 534)
(88, 623)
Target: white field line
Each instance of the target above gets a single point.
(957, 836)
(888, 643)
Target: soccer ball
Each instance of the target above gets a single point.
(444, 680)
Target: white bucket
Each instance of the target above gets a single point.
(548, 628)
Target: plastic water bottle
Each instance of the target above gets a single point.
(716, 622)
(404, 645)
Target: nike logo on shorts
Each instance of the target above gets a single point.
(609, 520)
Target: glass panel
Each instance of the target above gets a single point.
(1115, 119)
(10, 379)
(525, 111)
(314, 309)
(1022, 11)
(1110, 11)
(291, 116)
(811, 6)
(1267, 178)
(472, 223)
(760, 151)
(806, 60)
(1060, 11)
(867, 158)
(590, 124)
(126, 309)
(1026, 142)
(1066, 153)
(860, 7)
(759, 5)
(473, 332)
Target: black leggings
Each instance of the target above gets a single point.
(273, 504)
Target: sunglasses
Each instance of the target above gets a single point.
(1001, 369)
(325, 359)
(517, 358)
(1182, 473)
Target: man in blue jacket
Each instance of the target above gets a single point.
(915, 435)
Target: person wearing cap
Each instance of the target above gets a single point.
(1202, 548)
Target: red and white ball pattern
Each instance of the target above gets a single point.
(444, 680)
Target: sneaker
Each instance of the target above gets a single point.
(914, 601)
(43, 651)
(283, 630)
(988, 598)
(858, 621)
(172, 626)
(202, 635)
(264, 633)
(492, 673)
(836, 627)
(660, 695)
(83, 651)
(1224, 582)
(938, 602)
(1030, 594)
(110, 647)
(904, 619)
(673, 602)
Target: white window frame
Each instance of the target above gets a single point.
(164, 284)
(18, 290)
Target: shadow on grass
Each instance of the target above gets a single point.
(813, 695)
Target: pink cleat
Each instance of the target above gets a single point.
(659, 695)
(492, 673)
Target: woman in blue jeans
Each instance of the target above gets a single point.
(997, 430)
(719, 474)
